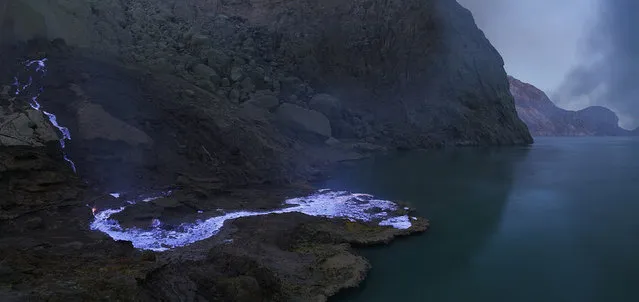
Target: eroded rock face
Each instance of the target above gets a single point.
(95, 123)
(326, 104)
(28, 128)
(544, 118)
(34, 179)
(304, 120)
(424, 75)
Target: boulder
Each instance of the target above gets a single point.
(217, 59)
(199, 40)
(247, 84)
(206, 72)
(264, 99)
(303, 119)
(326, 104)
(234, 95)
(236, 74)
(29, 128)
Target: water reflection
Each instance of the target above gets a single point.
(463, 192)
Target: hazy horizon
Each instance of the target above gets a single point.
(580, 52)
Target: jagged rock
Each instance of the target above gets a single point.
(243, 288)
(348, 268)
(326, 104)
(29, 128)
(302, 119)
(226, 82)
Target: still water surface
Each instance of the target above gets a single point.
(556, 221)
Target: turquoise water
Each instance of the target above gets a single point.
(556, 221)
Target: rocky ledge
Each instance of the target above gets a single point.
(51, 254)
(51, 250)
(232, 105)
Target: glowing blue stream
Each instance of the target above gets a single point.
(324, 203)
(40, 67)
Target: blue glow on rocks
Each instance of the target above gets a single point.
(400, 222)
(40, 67)
(330, 204)
(324, 203)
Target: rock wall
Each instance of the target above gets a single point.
(407, 74)
(208, 96)
(544, 118)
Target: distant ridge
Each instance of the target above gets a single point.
(544, 118)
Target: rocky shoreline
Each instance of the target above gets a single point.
(49, 252)
(235, 106)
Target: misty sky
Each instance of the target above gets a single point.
(580, 52)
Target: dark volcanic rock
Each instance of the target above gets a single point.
(407, 74)
(544, 118)
(326, 104)
(33, 179)
(417, 73)
(304, 120)
(179, 136)
(290, 257)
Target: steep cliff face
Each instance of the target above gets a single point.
(544, 118)
(408, 74)
(220, 100)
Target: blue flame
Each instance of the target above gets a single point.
(41, 67)
(324, 203)
(327, 203)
